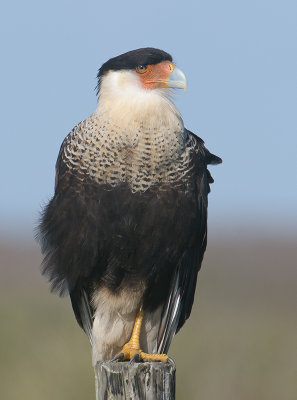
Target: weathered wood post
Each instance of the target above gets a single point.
(135, 381)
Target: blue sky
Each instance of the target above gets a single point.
(240, 59)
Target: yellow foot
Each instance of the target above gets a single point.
(129, 352)
(132, 350)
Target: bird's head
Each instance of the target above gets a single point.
(141, 78)
(147, 68)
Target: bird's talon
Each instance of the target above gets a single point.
(119, 357)
(135, 358)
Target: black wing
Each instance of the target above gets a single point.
(183, 284)
(81, 304)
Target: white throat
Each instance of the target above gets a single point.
(123, 100)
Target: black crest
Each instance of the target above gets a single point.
(132, 59)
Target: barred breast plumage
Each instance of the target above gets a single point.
(137, 154)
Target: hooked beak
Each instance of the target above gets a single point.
(177, 79)
(162, 75)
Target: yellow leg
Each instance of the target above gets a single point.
(132, 348)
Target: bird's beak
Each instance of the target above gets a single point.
(177, 79)
(163, 75)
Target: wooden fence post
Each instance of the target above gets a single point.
(135, 381)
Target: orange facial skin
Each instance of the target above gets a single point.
(155, 76)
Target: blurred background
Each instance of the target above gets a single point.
(240, 59)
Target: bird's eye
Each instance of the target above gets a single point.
(141, 69)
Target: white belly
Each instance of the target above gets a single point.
(113, 323)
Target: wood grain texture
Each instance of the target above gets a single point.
(135, 381)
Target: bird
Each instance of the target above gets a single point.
(126, 229)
